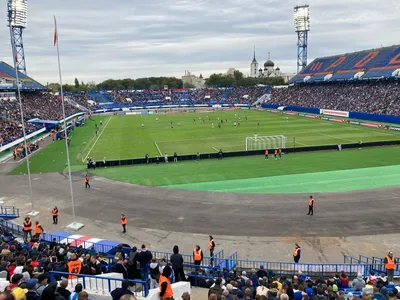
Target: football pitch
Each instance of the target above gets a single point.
(123, 137)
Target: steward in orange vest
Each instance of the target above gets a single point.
(74, 266)
(311, 206)
(38, 230)
(86, 181)
(390, 265)
(166, 292)
(27, 229)
(197, 255)
(54, 212)
(211, 247)
(123, 223)
(296, 253)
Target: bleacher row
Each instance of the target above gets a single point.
(210, 96)
(368, 64)
(205, 274)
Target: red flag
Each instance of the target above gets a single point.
(55, 35)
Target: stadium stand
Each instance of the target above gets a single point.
(379, 97)
(368, 64)
(50, 257)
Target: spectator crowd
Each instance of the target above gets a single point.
(379, 97)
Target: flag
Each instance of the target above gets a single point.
(55, 32)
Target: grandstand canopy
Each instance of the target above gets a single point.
(8, 80)
(367, 64)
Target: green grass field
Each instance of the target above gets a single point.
(122, 137)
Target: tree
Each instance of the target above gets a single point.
(76, 83)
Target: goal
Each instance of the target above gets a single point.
(265, 142)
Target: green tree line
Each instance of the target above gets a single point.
(156, 83)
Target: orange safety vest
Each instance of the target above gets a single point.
(311, 202)
(38, 229)
(27, 226)
(123, 220)
(86, 179)
(266, 152)
(168, 292)
(55, 212)
(390, 263)
(74, 266)
(210, 244)
(197, 255)
(295, 251)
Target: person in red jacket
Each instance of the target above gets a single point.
(344, 279)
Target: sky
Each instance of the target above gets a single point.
(101, 39)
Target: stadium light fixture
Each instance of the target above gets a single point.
(302, 18)
(17, 13)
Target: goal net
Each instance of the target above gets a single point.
(266, 142)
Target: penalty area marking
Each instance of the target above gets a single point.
(158, 148)
(95, 142)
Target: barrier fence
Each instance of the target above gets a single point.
(99, 282)
(218, 257)
(9, 211)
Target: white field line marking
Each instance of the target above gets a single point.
(95, 142)
(215, 149)
(159, 151)
(336, 138)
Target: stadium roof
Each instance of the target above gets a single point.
(8, 80)
(367, 64)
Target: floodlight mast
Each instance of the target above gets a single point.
(302, 27)
(17, 13)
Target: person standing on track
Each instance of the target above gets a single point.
(38, 230)
(390, 264)
(266, 154)
(197, 255)
(296, 253)
(311, 206)
(27, 229)
(54, 212)
(211, 247)
(123, 223)
(86, 180)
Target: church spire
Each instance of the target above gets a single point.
(269, 55)
(254, 57)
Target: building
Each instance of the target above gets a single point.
(197, 82)
(268, 71)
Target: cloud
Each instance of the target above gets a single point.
(102, 39)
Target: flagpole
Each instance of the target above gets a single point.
(33, 213)
(74, 225)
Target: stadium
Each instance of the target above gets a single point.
(290, 189)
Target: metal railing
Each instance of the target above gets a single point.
(218, 257)
(12, 211)
(101, 283)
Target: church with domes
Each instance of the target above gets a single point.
(268, 71)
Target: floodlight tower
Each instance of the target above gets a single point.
(302, 26)
(17, 12)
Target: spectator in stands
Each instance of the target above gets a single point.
(75, 293)
(344, 280)
(216, 288)
(62, 289)
(377, 97)
(83, 296)
(144, 258)
(123, 290)
(177, 265)
(358, 283)
(31, 286)
(154, 273)
(185, 296)
(133, 261)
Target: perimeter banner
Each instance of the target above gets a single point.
(338, 113)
